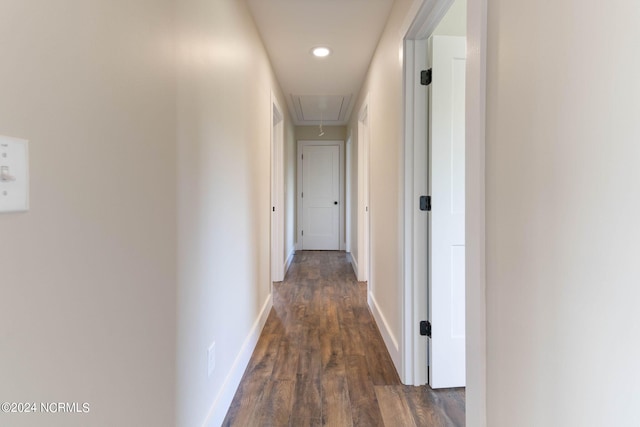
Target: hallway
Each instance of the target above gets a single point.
(321, 360)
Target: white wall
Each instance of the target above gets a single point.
(87, 276)
(383, 84)
(224, 128)
(562, 214)
(331, 133)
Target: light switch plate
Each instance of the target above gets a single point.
(14, 174)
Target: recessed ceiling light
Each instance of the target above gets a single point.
(321, 51)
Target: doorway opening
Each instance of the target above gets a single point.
(428, 14)
(320, 183)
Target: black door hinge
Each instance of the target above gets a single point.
(425, 77)
(425, 328)
(425, 203)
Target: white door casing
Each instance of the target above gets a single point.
(348, 193)
(321, 195)
(364, 134)
(416, 250)
(447, 219)
(277, 192)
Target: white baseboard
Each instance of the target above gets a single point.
(354, 264)
(288, 262)
(389, 339)
(223, 401)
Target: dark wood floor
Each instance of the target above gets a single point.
(321, 360)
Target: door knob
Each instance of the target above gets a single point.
(335, 203)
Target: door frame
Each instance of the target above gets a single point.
(299, 206)
(416, 221)
(348, 192)
(422, 19)
(277, 191)
(363, 263)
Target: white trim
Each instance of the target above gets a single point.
(364, 211)
(409, 328)
(410, 18)
(414, 366)
(348, 192)
(476, 324)
(354, 264)
(277, 190)
(231, 383)
(427, 18)
(383, 326)
(289, 260)
(299, 207)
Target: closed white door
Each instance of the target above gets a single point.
(320, 197)
(447, 249)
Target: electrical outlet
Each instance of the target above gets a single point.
(212, 358)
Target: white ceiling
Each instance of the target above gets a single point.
(316, 87)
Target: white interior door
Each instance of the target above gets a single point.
(320, 197)
(447, 251)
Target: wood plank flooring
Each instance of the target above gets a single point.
(320, 360)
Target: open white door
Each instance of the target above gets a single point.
(321, 197)
(447, 251)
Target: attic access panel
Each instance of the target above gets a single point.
(328, 108)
